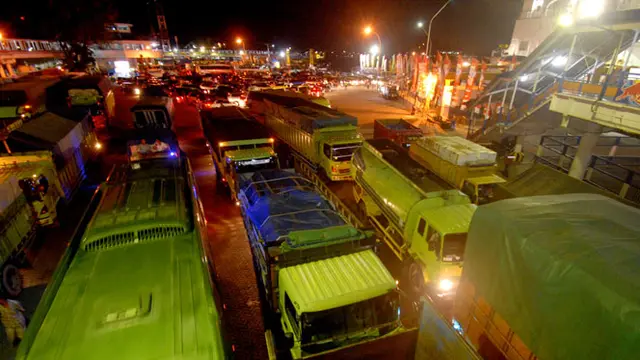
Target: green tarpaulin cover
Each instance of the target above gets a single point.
(563, 271)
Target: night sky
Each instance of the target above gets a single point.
(473, 26)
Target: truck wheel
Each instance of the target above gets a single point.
(416, 279)
(11, 280)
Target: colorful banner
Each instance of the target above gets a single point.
(470, 80)
(456, 82)
(438, 63)
(483, 68)
(445, 67)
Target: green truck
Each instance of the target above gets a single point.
(320, 275)
(238, 145)
(422, 219)
(29, 194)
(136, 281)
(462, 163)
(551, 277)
(322, 137)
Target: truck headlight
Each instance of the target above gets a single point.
(445, 285)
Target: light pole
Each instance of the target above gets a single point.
(430, 23)
(368, 30)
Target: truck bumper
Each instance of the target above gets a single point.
(341, 177)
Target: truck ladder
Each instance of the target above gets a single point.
(387, 235)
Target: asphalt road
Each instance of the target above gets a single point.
(367, 105)
(231, 255)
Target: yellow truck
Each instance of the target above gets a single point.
(422, 219)
(462, 163)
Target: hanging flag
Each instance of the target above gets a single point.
(445, 67)
(483, 68)
(438, 63)
(470, 79)
(414, 70)
(456, 82)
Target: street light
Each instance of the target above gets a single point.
(374, 50)
(240, 41)
(420, 24)
(565, 20)
(368, 30)
(430, 23)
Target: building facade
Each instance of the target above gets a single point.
(539, 18)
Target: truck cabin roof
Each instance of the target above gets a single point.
(399, 158)
(345, 280)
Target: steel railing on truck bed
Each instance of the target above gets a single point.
(305, 169)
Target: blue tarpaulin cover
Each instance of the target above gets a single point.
(280, 202)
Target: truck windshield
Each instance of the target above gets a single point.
(343, 152)
(453, 247)
(373, 317)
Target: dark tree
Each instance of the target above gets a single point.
(79, 24)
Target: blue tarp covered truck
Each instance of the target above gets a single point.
(316, 269)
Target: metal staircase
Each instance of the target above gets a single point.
(570, 61)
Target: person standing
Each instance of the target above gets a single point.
(13, 320)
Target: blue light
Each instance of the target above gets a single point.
(456, 326)
(173, 154)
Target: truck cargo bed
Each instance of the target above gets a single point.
(399, 158)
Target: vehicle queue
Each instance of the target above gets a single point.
(296, 226)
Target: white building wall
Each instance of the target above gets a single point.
(539, 18)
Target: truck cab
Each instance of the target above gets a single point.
(337, 150)
(438, 235)
(239, 146)
(481, 190)
(242, 158)
(354, 311)
(42, 197)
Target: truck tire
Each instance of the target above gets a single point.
(11, 280)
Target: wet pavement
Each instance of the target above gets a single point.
(231, 253)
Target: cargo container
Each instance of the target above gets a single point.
(464, 164)
(551, 277)
(399, 131)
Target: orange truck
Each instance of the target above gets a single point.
(551, 277)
